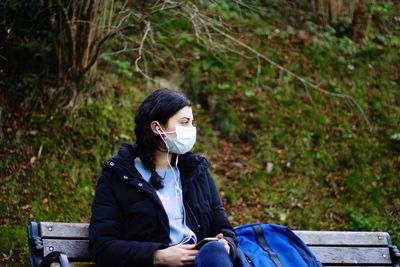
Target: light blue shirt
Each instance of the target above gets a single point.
(172, 200)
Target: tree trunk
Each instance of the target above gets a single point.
(329, 11)
(361, 21)
(83, 27)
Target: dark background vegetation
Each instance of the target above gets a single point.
(297, 105)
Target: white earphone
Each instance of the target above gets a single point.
(178, 188)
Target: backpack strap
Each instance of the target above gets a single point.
(263, 243)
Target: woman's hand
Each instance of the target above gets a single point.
(179, 255)
(223, 242)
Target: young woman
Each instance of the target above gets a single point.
(155, 199)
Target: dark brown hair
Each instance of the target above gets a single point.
(159, 106)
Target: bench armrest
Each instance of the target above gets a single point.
(36, 250)
(55, 256)
(35, 244)
(395, 255)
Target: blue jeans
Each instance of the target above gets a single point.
(213, 254)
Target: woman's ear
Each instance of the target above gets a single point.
(155, 127)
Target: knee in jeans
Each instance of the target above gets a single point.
(214, 246)
(213, 254)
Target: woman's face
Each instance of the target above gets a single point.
(183, 117)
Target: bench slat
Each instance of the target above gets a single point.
(329, 238)
(64, 230)
(75, 249)
(336, 238)
(327, 255)
(351, 255)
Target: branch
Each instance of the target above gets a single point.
(137, 68)
(123, 9)
(258, 73)
(283, 69)
(96, 45)
(202, 25)
(123, 50)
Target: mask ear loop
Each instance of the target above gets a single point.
(179, 190)
(163, 138)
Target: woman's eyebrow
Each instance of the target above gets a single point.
(186, 118)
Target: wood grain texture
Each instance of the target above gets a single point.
(64, 230)
(77, 249)
(338, 238)
(352, 255)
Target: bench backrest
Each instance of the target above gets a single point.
(68, 238)
(332, 248)
(349, 248)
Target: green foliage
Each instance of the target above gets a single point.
(118, 66)
(282, 151)
(231, 196)
(361, 222)
(383, 11)
(395, 137)
(62, 160)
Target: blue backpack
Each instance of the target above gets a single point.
(270, 245)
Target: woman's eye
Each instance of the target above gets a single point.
(187, 122)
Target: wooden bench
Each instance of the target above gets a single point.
(67, 242)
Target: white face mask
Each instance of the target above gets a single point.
(184, 141)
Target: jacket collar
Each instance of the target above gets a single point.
(190, 164)
(126, 158)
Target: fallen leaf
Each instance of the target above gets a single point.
(25, 207)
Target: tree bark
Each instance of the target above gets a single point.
(328, 11)
(361, 21)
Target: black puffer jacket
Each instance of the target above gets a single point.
(129, 222)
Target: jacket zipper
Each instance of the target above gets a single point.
(192, 215)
